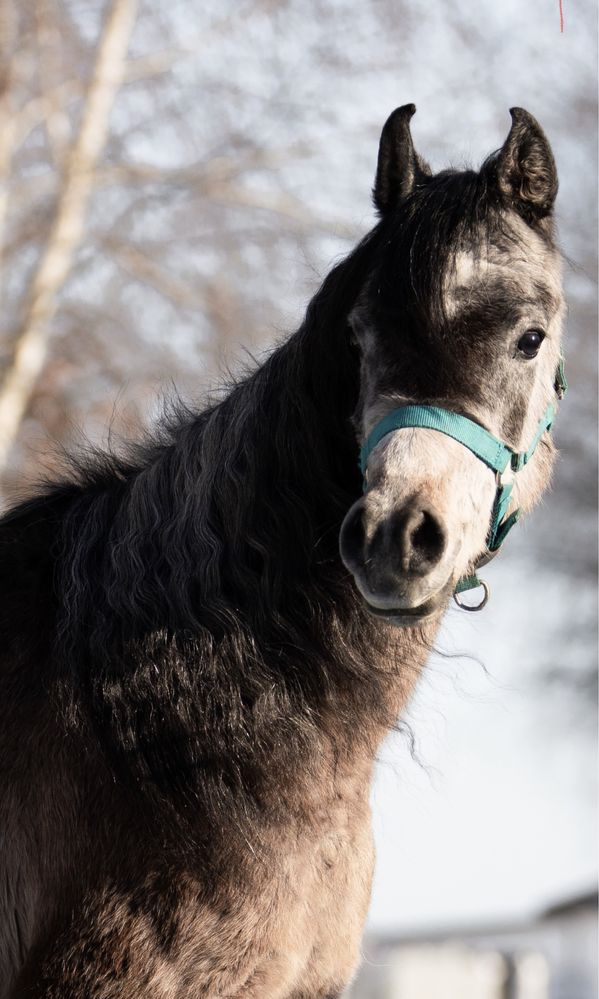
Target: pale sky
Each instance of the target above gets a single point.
(499, 817)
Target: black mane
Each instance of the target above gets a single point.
(446, 212)
(195, 585)
(451, 211)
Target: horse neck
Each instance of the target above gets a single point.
(279, 455)
(237, 517)
(280, 461)
(204, 591)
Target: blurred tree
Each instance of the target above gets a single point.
(131, 234)
(77, 175)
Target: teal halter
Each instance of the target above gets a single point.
(493, 452)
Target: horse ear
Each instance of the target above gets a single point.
(526, 172)
(399, 167)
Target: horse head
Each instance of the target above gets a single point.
(458, 327)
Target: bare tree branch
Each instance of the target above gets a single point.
(280, 203)
(39, 108)
(48, 45)
(141, 267)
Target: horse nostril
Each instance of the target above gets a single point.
(420, 538)
(428, 537)
(351, 537)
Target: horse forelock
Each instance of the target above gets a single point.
(455, 214)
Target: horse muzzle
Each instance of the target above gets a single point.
(398, 558)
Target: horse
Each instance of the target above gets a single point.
(206, 635)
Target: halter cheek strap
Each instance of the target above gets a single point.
(489, 449)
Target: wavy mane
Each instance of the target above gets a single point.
(203, 615)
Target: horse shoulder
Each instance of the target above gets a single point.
(29, 537)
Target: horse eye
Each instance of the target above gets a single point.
(530, 342)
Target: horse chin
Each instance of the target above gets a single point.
(406, 617)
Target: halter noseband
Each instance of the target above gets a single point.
(493, 452)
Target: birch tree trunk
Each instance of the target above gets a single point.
(56, 260)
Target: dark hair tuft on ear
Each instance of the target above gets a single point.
(525, 170)
(399, 168)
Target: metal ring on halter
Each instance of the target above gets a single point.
(476, 607)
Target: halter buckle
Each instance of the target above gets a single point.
(505, 478)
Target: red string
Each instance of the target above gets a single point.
(561, 16)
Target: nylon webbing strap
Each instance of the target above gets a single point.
(493, 452)
(561, 382)
(521, 459)
(467, 583)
